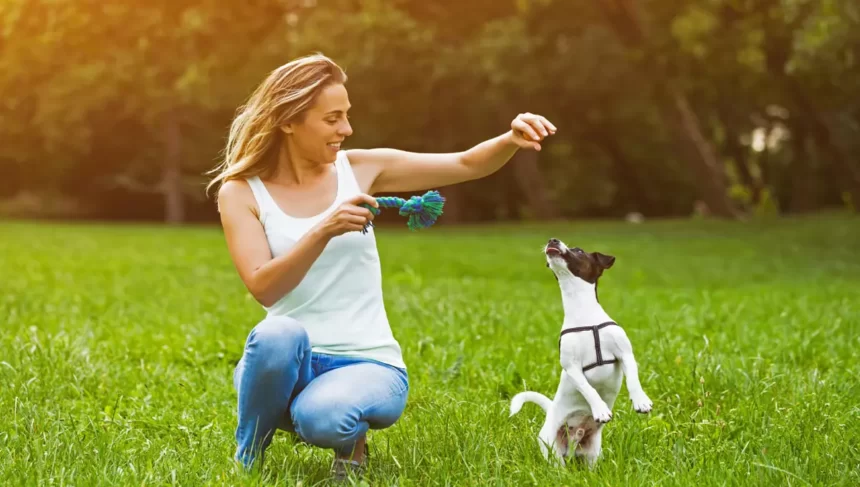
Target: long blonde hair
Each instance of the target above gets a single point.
(283, 97)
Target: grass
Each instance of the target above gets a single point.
(118, 344)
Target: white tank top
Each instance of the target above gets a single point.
(339, 302)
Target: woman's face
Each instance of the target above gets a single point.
(317, 138)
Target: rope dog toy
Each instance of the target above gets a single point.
(421, 211)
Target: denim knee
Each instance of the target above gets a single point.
(275, 341)
(327, 425)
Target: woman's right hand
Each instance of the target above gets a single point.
(349, 217)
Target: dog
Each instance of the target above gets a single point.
(594, 353)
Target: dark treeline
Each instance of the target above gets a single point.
(116, 109)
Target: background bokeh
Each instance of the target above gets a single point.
(116, 109)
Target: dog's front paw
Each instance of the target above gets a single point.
(602, 414)
(642, 404)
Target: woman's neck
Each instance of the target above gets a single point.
(295, 170)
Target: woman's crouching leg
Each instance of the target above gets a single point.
(337, 408)
(275, 363)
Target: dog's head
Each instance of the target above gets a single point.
(564, 261)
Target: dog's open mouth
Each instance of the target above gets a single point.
(553, 250)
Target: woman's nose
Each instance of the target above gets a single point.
(345, 129)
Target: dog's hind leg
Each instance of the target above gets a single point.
(548, 442)
(553, 434)
(599, 409)
(553, 446)
(591, 452)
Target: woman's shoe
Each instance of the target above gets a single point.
(341, 468)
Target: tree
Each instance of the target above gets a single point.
(154, 68)
(674, 104)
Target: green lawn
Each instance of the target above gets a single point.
(118, 344)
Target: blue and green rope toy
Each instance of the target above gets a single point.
(422, 211)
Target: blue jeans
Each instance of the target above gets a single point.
(329, 401)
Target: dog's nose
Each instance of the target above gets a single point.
(554, 241)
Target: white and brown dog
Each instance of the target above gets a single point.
(594, 352)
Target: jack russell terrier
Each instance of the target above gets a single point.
(594, 352)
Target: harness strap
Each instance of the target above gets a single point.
(595, 330)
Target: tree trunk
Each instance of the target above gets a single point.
(624, 170)
(764, 161)
(740, 157)
(707, 170)
(778, 49)
(708, 174)
(532, 185)
(801, 197)
(174, 209)
(529, 180)
(821, 134)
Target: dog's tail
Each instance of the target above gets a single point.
(529, 396)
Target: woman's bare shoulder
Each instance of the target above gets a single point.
(235, 195)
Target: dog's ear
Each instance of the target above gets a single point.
(605, 261)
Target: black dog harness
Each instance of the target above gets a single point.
(595, 329)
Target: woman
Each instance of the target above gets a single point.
(324, 363)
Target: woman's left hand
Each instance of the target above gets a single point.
(529, 129)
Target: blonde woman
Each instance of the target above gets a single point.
(324, 363)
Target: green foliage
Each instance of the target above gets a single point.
(90, 88)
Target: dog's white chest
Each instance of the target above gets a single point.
(586, 345)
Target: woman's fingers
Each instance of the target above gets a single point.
(533, 127)
(540, 124)
(360, 216)
(538, 127)
(363, 198)
(527, 129)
